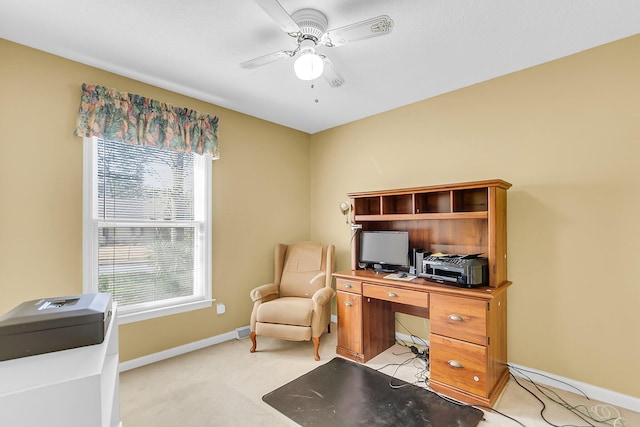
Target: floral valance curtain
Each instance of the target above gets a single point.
(121, 116)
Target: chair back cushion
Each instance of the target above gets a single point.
(304, 270)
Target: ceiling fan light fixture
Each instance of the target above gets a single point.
(309, 65)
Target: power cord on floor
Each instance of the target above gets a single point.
(424, 354)
(421, 354)
(422, 375)
(603, 414)
(418, 354)
(412, 335)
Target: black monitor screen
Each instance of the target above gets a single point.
(386, 248)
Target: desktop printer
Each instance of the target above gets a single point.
(52, 324)
(460, 270)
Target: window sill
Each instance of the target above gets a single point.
(124, 318)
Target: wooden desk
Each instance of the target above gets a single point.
(468, 334)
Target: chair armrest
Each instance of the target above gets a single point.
(323, 296)
(263, 291)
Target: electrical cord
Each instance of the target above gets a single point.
(423, 371)
(425, 356)
(599, 413)
(420, 375)
(481, 407)
(420, 354)
(520, 370)
(354, 232)
(544, 406)
(602, 412)
(413, 336)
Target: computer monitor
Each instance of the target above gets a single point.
(384, 250)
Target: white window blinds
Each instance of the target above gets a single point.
(150, 223)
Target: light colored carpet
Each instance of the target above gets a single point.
(223, 385)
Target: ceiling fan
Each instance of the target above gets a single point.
(308, 27)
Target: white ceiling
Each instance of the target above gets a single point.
(194, 47)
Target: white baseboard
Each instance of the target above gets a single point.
(568, 384)
(594, 392)
(176, 351)
(409, 338)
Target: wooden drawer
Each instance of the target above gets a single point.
(401, 296)
(349, 286)
(458, 317)
(459, 364)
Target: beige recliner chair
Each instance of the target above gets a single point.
(297, 305)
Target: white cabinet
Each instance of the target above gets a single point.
(69, 388)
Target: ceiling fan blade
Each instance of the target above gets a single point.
(334, 78)
(278, 13)
(374, 27)
(266, 59)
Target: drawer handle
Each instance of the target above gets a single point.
(348, 303)
(456, 317)
(455, 364)
(348, 285)
(392, 294)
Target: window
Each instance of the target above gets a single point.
(147, 228)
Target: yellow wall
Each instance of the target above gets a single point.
(260, 196)
(566, 134)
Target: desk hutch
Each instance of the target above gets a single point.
(468, 327)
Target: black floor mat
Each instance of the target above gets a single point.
(344, 393)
